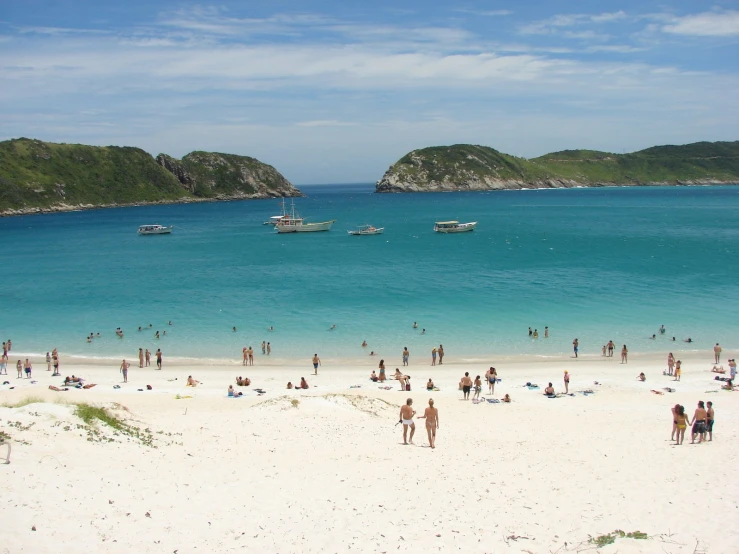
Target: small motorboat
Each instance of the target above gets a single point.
(154, 230)
(454, 226)
(367, 230)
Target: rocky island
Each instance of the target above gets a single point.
(38, 177)
(467, 167)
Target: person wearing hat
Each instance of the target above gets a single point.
(567, 382)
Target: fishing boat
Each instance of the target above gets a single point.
(293, 223)
(366, 230)
(154, 230)
(454, 226)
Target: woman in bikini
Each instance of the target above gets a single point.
(682, 421)
(431, 415)
(624, 355)
(699, 423)
(670, 363)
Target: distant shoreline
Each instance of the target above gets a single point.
(64, 208)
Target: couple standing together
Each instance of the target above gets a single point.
(431, 415)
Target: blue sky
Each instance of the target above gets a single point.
(337, 91)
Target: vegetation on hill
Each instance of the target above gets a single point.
(469, 167)
(43, 176)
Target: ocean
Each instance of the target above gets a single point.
(597, 264)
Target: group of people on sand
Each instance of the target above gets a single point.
(702, 423)
(431, 415)
(303, 384)
(247, 356)
(243, 382)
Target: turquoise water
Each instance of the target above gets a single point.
(596, 264)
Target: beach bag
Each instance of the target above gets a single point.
(407, 386)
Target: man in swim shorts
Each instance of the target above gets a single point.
(406, 417)
(466, 385)
(575, 346)
(316, 363)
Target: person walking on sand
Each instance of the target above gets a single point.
(478, 388)
(575, 346)
(624, 355)
(159, 358)
(147, 356)
(19, 369)
(316, 363)
(431, 415)
(717, 353)
(699, 423)
(674, 421)
(433, 356)
(709, 420)
(466, 385)
(28, 368)
(124, 370)
(406, 418)
(567, 382)
(440, 352)
(406, 354)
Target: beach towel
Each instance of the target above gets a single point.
(532, 387)
(493, 401)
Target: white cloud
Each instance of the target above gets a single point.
(485, 13)
(556, 24)
(707, 24)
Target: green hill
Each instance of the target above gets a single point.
(468, 167)
(41, 176)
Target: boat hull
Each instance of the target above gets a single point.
(163, 231)
(362, 233)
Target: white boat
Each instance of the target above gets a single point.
(454, 226)
(293, 223)
(154, 230)
(273, 220)
(367, 230)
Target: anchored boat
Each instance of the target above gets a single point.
(454, 226)
(154, 230)
(293, 223)
(366, 230)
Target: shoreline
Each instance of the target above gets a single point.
(66, 208)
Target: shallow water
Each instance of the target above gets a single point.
(597, 264)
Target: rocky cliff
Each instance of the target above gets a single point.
(214, 175)
(37, 176)
(468, 167)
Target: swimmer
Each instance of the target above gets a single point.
(332, 327)
(234, 330)
(270, 328)
(364, 344)
(423, 331)
(415, 325)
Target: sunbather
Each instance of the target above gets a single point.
(192, 382)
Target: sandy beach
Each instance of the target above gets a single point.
(325, 470)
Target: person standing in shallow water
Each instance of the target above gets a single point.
(406, 418)
(159, 359)
(575, 346)
(406, 354)
(431, 415)
(148, 357)
(433, 356)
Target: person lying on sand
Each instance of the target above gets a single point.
(72, 379)
(192, 382)
(52, 387)
(89, 386)
(718, 369)
(549, 391)
(641, 377)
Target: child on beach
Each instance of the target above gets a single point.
(478, 388)
(678, 370)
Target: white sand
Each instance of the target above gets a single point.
(258, 475)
